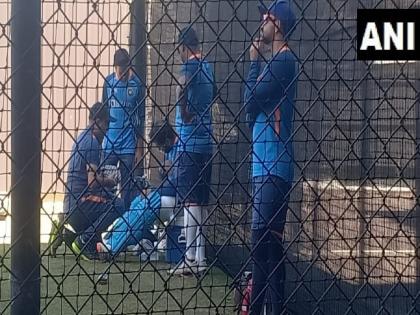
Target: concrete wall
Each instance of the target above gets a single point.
(78, 43)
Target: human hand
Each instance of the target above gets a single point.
(254, 50)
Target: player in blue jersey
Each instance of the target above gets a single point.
(193, 124)
(124, 94)
(159, 204)
(89, 205)
(269, 102)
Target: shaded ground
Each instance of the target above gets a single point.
(133, 287)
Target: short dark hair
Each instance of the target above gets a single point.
(99, 111)
(161, 132)
(188, 37)
(122, 58)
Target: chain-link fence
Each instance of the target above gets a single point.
(350, 238)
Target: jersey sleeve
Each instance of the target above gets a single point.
(90, 151)
(260, 90)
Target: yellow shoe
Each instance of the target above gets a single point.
(77, 251)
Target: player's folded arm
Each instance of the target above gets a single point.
(187, 114)
(260, 89)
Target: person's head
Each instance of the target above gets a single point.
(122, 62)
(188, 43)
(99, 120)
(163, 135)
(277, 21)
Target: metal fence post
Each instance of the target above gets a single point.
(138, 37)
(26, 151)
(364, 174)
(417, 184)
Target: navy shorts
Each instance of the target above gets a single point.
(193, 175)
(168, 187)
(88, 214)
(270, 203)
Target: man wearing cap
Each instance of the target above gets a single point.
(269, 103)
(193, 124)
(88, 205)
(124, 94)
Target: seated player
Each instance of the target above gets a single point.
(145, 210)
(89, 205)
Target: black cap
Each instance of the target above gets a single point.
(122, 58)
(188, 37)
(100, 111)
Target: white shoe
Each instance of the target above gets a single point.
(185, 267)
(202, 267)
(144, 246)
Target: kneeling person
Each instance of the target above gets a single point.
(89, 207)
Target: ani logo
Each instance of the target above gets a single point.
(388, 34)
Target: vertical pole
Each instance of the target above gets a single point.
(317, 227)
(364, 155)
(417, 184)
(138, 37)
(26, 151)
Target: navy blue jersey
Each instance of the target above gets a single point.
(169, 182)
(125, 99)
(269, 100)
(86, 151)
(196, 136)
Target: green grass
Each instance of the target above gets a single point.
(70, 287)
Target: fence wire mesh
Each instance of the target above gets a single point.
(351, 233)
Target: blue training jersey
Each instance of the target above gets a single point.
(125, 99)
(196, 136)
(269, 101)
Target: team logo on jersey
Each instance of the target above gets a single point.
(131, 91)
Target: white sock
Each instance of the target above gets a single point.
(185, 218)
(192, 222)
(167, 205)
(200, 251)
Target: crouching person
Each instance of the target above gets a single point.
(89, 204)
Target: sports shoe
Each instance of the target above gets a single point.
(55, 239)
(147, 251)
(202, 267)
(77, 249)
(184, 267)
(144, 246)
